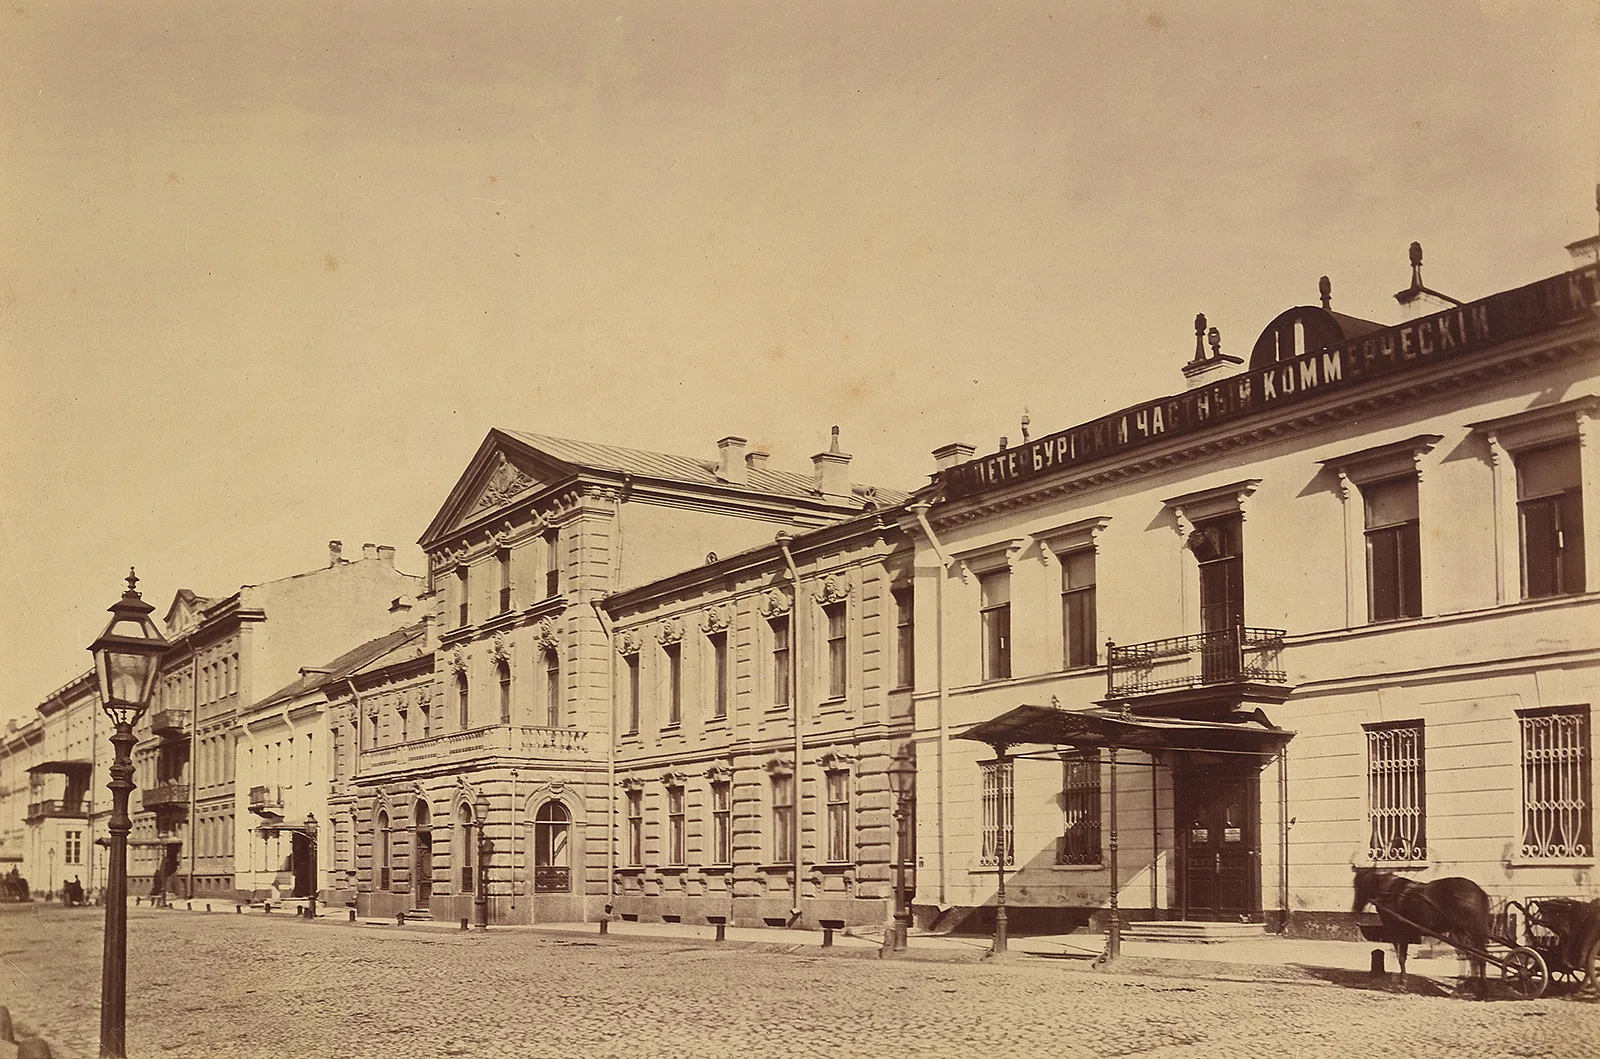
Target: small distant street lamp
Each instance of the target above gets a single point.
(126, 657)
(480, 900)
(903, 780)
(50, 882)
(311, 854)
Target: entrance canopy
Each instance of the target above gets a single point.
(1251, 735)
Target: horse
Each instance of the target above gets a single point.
(1455, 910)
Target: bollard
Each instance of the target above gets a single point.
(188, 906)
(464, 925)
(266, 906)
(399, 919)
(605, 924)
(238, 909)
(5, 1025)
(1377, 963)
(352, 915)
(827, 937)
(33, 1048)
(722, 932)
(208, 906)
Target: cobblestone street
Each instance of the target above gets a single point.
(224, 985)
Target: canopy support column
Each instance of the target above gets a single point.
(1114, 927)
(1004, 786)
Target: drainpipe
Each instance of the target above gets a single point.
(1283, 839)
(783, 538)
(920, 510)
(194, 771)
(611, 763)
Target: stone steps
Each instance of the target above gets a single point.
(1192, 930)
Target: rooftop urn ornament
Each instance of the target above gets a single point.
(1325, 290)
(1026, 434)
(1214, 337)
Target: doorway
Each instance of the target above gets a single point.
(422, 873)
(305, 872)
(1218, 545)
(1219, 842)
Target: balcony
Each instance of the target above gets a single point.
(1209, 670)
(166, 796)
(48, 807)
(509, 743)
(169, 723)
(266, 801)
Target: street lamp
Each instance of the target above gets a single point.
(480, 900)
(903, 780)
(126, 658)
(311, 854)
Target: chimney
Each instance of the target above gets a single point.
(1417, 300)
(832, 469)
(386, 554)
(756, 459)
(335, 553)
(369, 551)
(731, 465)
(948, 456)
(1204, 370)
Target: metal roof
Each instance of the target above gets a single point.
(1050, 726)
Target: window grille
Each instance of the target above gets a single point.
(1080, 800)
(1396, 794)
(998, 813)
(1557, 814)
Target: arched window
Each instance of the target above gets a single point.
(505, 691)
(552, 854)
(464, 844)
(383, 851)
(461, 700)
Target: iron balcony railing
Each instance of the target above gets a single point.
(262, 797)
(169, 722)
(166, 796)
(1239, 655)
(55, 807)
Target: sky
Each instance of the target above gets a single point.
(269, 273)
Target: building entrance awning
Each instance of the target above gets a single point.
(1252, 734)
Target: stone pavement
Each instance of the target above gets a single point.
(228, 986)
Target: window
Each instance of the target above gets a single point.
(552, 688)
(674, 655)
(994, 591)
(998, 808)
(384, 850)
(461, 702)
(464, 840)
(838, 790)
(1077, 609)
(1080, 804)
(1557, 778)
(426, 711)
(722, 822)
(505, 691)
(636, 828)
(675, 829)
(1394, 562)
(905, 666)
(552, 563)
(552, 858)
(633, 692)
(1396, 798)
(1550, 521)
(782, 819)
(780, 661)
(719, 669)
(461, 595)
(838, 656)
(72, 852)
(503, 560)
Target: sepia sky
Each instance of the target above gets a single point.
(268, 273)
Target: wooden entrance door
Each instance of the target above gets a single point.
(422, 876)
(1219, 843)
(300, 862)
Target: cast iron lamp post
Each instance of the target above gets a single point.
(480, 900)
(311, 853)
(903, 779)
(126, 658)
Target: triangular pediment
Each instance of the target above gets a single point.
(184, 615)
(503, 471)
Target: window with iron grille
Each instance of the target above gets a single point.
(719, 669)
(722, 822)
(782, 819)
(675, 828)
(674, 655)
(998, 806)
(1080, 801)
(1557, 783)
(505, 692)
(994, 590)
(552, 688)
(635, 828)
(838, 626)
(1396, 792)
(633, 693)
(1394, 549)
(780, 660)
(1550, 518)
(838, 791)
(1078, 608)
(905, 666)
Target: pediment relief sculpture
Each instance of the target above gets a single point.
(773, 602)
(506, 481)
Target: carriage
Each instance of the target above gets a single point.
(1547, 937)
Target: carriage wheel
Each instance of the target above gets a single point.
(1591, 964)
(1525, 974)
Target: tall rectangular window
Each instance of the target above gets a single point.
(1394, 556)
(674, 656)
(72, 851)
(503, 561)
(461, 703)
(461, 595)
(632, 662)
(1078, 609)
(1557, 783)
(719, 671)
(998, 813)
(782, 819)
(1080, 802)
(994, 591)
(552, 563)
(838, 791)
(636, 828)
(721, 822)
(838, 644)
(675, 828)
(780, 660)
(552, 688)
(1396, 793)
(505, 692)
(905, 639)
(1550, 519)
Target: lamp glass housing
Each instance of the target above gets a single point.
(902, 775)
(127, 656)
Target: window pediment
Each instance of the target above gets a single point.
(999, 555)
(1540, 426)
(1209, 503)
(1071, 537)
(1394, 460)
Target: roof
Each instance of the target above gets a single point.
(682, 468)
(346, 665)
(1251, 734)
